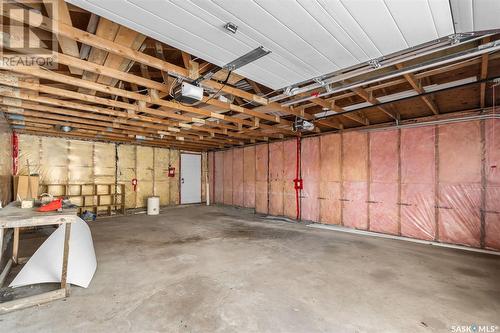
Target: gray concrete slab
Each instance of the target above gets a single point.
(216, 269)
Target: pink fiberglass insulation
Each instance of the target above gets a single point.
(261, 178)
(330, 175)
(384, 182)
(249, 177)
(336, 171)
(459, 195)
(355, 176)
(418, 197)
(310, 165)
(354, 210)
(276, 178)
(219, 177)
(492, 174)
(238, 177)
(290, 161)
(228, 177)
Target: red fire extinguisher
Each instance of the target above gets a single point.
(134, 184)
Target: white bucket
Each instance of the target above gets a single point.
(153, 205)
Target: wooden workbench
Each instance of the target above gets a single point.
(12, 216)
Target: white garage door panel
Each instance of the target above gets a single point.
(308, 38)
(249, 35)
(228, 49)
(264, 23)
(339, 13)
(314, 34)
(370, 15)
(441, 15)
(476, 15)
(325, 20)
(411, 14)
(486, 14)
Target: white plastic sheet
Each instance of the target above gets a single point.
(45, 266)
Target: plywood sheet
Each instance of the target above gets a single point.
(289, 165)
(228, 177)
(384, 182)
(219, 177)
(249, 177)
(330, 176)
(276, 169)
(261, 178)
(238, 177)
(460, 183)
(310, 174)
(418, 177)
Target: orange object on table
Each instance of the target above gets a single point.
(51, 206)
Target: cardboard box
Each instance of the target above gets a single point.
(25, 190)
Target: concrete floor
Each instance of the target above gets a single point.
(215, 269)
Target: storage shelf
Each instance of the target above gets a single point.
(114, 193)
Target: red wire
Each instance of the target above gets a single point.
(15, 153)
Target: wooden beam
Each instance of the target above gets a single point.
(14, 82)
(254, 86)
(186, 59)
(484, 75)
(91, 28)
(106, 30)
(125, 37)
(65, 116)
(159, 54)
(111, 47)
(359, 118)
(148, 99)
(412, 80)
(58, 10)
(370, 99)
(93, 136)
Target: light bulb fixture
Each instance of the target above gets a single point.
(66, 128)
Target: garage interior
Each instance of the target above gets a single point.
(250, 166)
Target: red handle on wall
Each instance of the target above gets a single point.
(134, 184)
